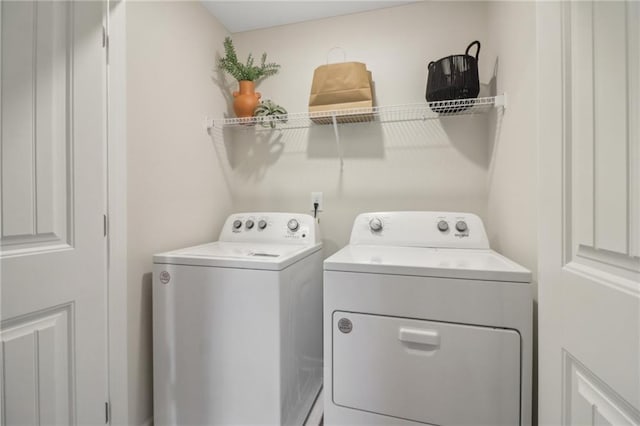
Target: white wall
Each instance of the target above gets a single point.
(176, 192)
(512, 214)
(401, 166)
(513, 172)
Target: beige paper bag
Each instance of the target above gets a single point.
(341, 86)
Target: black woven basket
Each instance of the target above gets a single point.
(452, 78)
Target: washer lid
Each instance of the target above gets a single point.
(224, 254)
(472, 264)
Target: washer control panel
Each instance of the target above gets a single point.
(292, 228)
(420, 229)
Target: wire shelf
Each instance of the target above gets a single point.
(395, 113)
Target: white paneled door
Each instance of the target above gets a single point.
(589, 277)
(53, 245)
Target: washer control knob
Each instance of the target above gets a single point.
(262, 224)
(376, 224)
(461, 226)
(237, 224)
(249, 224)
(443, 226)
(293, 225)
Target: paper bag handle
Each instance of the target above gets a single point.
(344, 53)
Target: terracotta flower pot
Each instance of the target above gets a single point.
(246, 99)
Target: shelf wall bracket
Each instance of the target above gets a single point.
(338, 146)
(501, 101)
(208, 124)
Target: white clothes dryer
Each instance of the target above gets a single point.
(425, 324)
(237, 324)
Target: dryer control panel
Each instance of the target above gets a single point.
(266, 227)
(420, 229)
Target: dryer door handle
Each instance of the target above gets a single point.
(419, 336)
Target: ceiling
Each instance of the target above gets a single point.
(242, 15)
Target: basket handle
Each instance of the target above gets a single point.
(466, 52)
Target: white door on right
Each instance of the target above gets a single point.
(589, 247)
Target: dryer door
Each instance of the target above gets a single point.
(426, 371)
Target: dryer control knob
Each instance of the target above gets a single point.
(376, 224)
(293, 225)
(461, 226)
(237, 224)
(249, 224)
(443, 226)
(262, 224)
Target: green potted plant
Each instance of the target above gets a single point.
(247, 73)
(271, 113)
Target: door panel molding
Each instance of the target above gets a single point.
(588, 399)
(600, 275)
(600, 196)
(607, 268)
(38, 346)
(37, 137)
(610, 76)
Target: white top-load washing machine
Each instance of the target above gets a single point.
(425, 324)
(237, 324)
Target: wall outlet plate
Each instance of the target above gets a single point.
(316, 197)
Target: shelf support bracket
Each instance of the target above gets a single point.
(501, 101)
(208, 124)
(337, 134)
